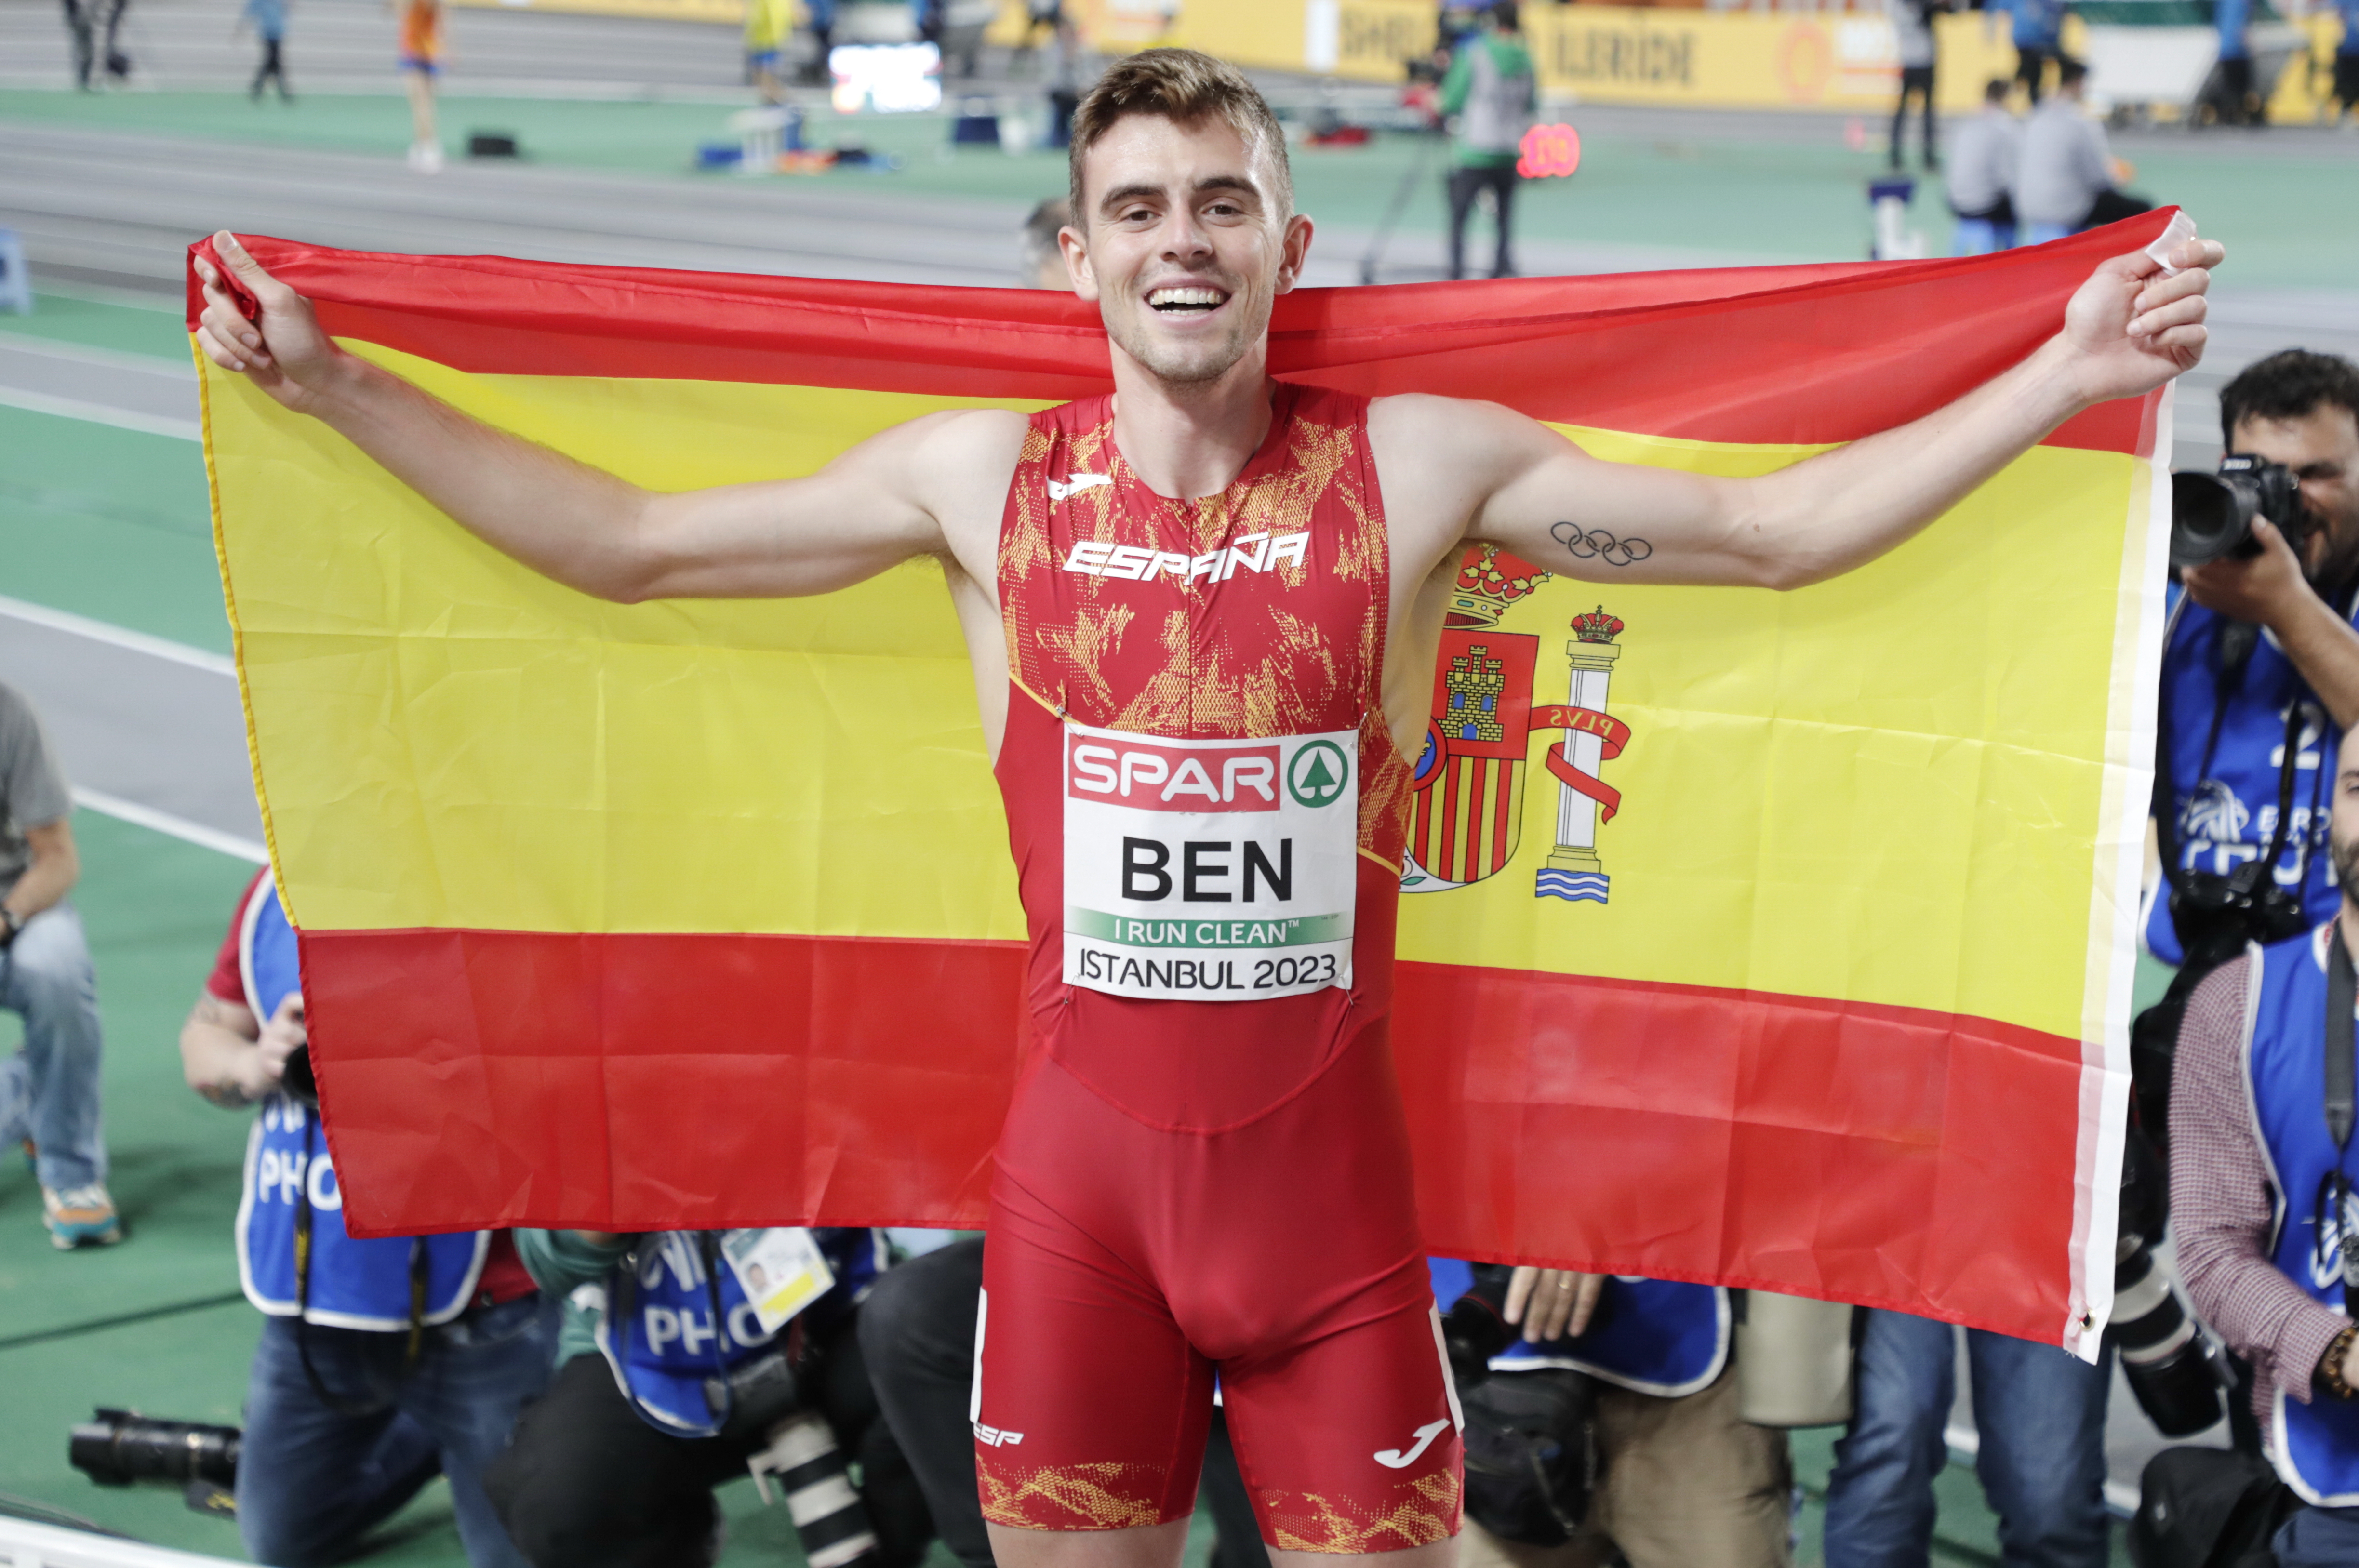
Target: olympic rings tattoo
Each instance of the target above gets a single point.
(1599, 545)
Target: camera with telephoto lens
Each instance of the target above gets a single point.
(2211, 514)
(1530, 1440)
(119, 1448)
(2177, 1374)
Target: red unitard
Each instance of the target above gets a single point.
(1206, 1168)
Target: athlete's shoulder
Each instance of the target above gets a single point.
(1425, 429)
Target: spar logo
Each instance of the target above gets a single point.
(1318, 774)
(1147, 777)
(1467, 783)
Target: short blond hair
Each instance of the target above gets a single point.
(1185, 87)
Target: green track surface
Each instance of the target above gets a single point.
(2290, 222)
(109, 523)
(128, 329)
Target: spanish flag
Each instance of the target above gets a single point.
(1777, 939)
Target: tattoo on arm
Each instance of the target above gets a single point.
(1596, 544)
(214, 1012)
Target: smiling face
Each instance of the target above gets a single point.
(1185, 239)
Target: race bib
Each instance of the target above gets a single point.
(1210, 870)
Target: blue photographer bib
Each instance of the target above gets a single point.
(2226, 813)
(2316, 1446)
(680, 1320)
(1653, 1336)
(353, 1284)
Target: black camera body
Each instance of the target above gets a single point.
(2211, 514)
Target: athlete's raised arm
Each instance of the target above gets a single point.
(876, 505)
(1518, 485)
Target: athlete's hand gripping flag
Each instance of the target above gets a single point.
(697, 913)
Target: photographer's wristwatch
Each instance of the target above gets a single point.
(2329, 1376)
(11, 922)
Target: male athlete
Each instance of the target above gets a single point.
(1203, 614)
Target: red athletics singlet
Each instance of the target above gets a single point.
(1206, 1168)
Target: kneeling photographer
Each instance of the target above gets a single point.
(687, 1359)
(383, 1363)
(1602, 1423)
(2262, 1110)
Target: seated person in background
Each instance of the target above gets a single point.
(2260, 1199)
(49, 1090)
(1980, 175)
(383, 1364)
(687, 1358)
(2064, 176)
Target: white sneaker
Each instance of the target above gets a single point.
(426, 156)
(81, 1217)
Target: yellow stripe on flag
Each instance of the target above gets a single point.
(1882, 788)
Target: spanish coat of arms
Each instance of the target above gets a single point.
(1469, 778)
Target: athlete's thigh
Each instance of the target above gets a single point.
(1090, 1408)
(1349, 1443)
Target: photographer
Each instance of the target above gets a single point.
(687, 1358)
(2262, 1114)
(383, 1363)
(2260, 675)
(1633, 1382)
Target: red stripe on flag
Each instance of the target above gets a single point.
(1889, 1155)
(1779, 354)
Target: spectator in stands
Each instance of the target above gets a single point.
(48, 1090)
(2232, 97)
(767, 25)
(1983, 157)
(2260, 1201)
(78, 21)
(1490, 89)
(820, 16)
(383, 1363)
(918, 1331)
(2064, 174)
(1912, 27)
(1043, 262)
(2039, 32)
(2347, 59)
(2041, 1412)
(671, 1379)
(1683, 1478)
(269, 21)
(421, 62)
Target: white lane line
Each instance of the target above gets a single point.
(111, 358)
(121, 637)
(100, 414)
(166, 822)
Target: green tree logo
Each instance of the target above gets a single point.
(1318, 774)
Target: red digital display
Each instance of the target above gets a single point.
(1550, 151)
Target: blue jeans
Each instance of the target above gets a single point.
(2319, 1538)
(312, 1479)
(2042, 1414)
(49, 1090)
